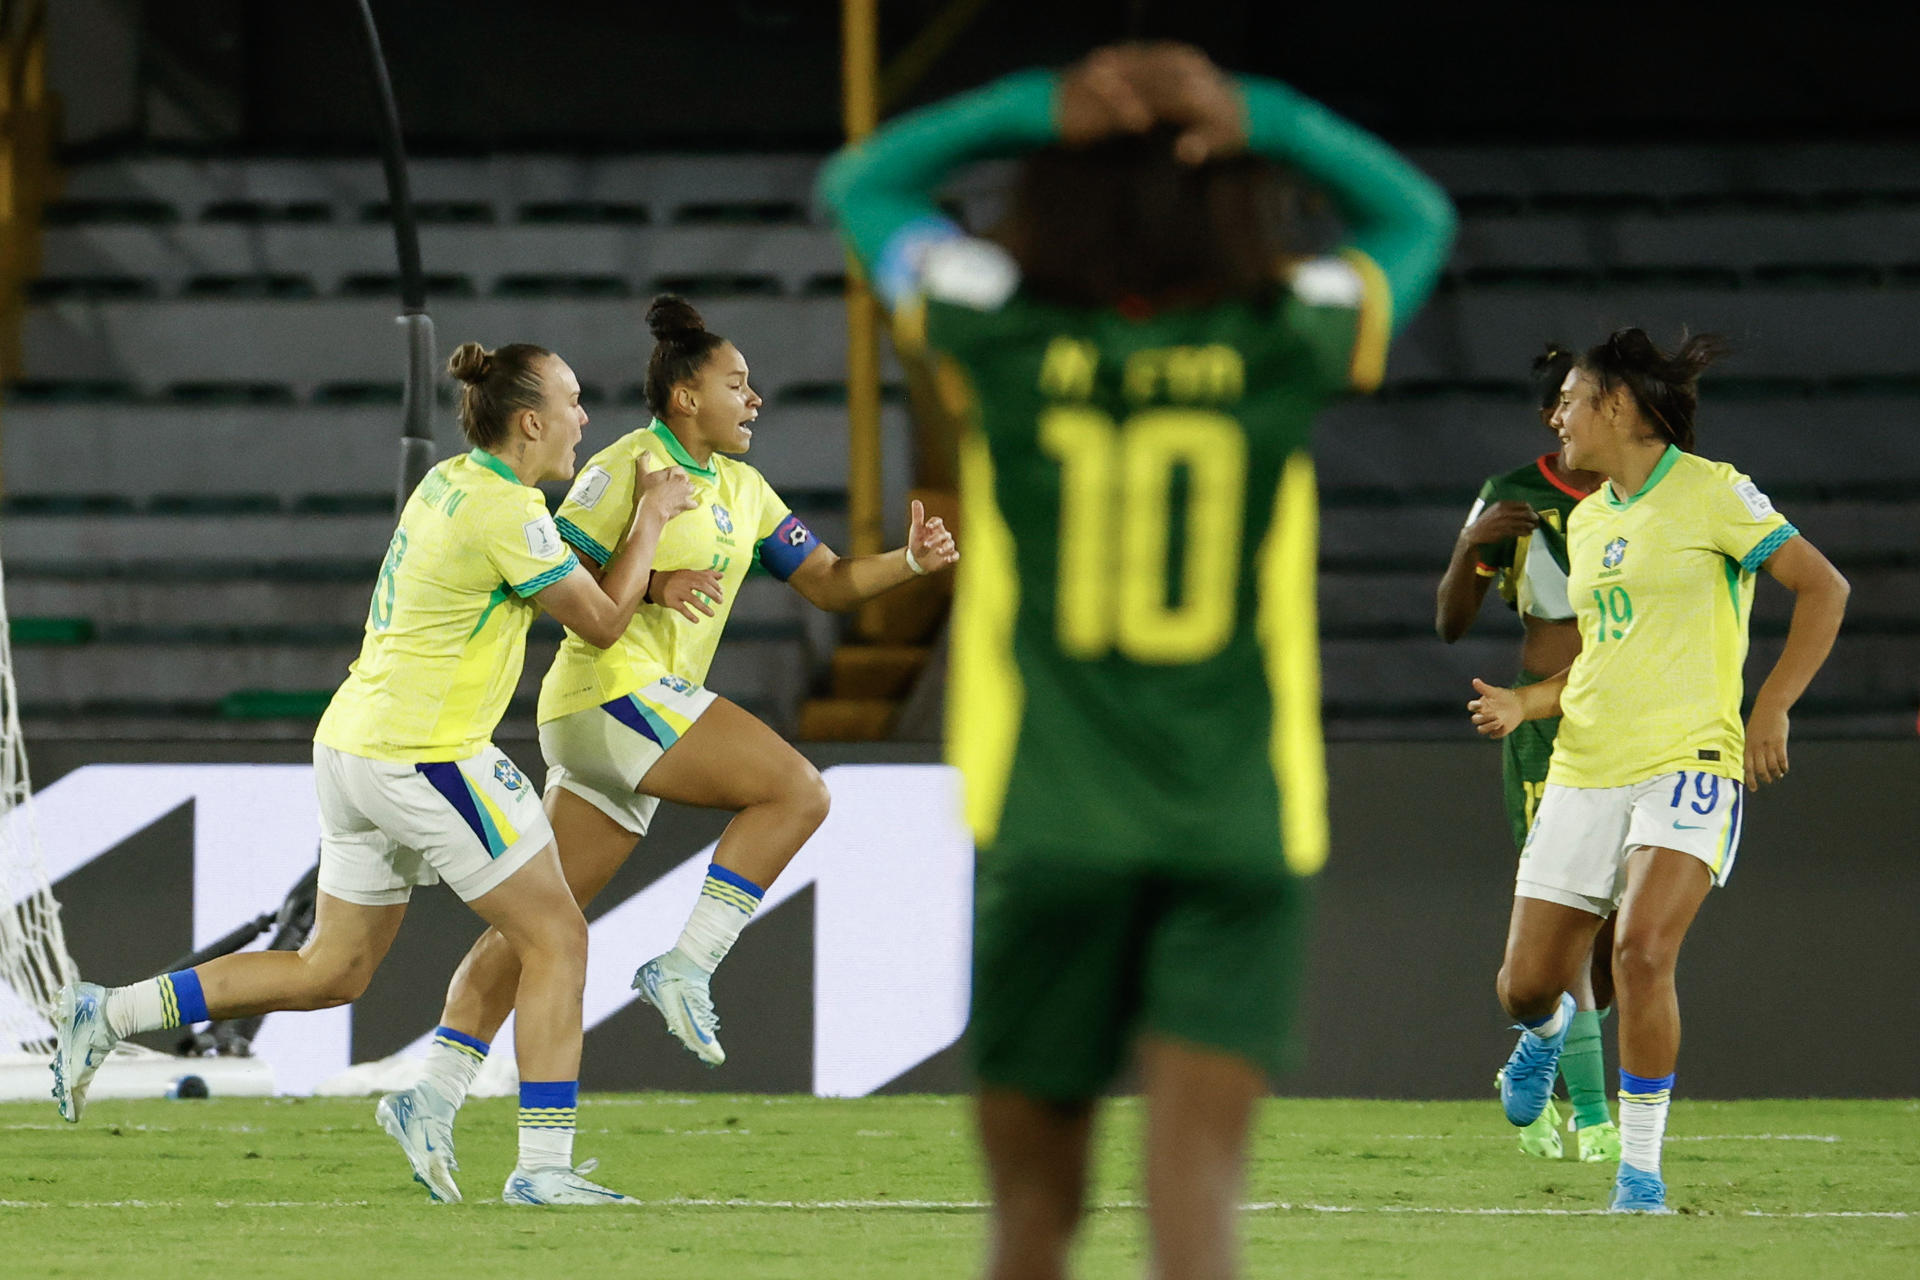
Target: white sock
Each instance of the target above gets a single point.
(453, 1060)
(1643, 1120)
(727, 901)
(1551, 1027)
(140, 1007)
(546, 1148)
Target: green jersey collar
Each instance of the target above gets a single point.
(678, 452)
(1660, 469)
(480, 457)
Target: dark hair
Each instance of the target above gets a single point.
(1123, 218)
(1550, 373)
(681, 345)
(1666, 387)
(497, 385)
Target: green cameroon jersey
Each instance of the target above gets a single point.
(1135, 675)
(1531, 570)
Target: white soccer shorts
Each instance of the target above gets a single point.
(386, 826)
(601, 754)
(1576, 852)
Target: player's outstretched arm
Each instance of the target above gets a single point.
(1819, 601)
(840, 584)
(598, 611)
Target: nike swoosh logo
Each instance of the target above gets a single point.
(1689, 826)
(694, 1022)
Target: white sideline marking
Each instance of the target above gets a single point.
(946, 1206)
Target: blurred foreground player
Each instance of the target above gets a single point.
(412, 790)
(1134, 702)
(1516, 536)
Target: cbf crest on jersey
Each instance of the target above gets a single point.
(1615, 552)
(722, 518)
(508, 775)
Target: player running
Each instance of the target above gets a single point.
(1135, 689)
(411, 789)
(1642, 811)
(1516, 535)
(629, 724)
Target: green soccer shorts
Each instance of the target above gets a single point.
(1524, 756)
(1072, 962)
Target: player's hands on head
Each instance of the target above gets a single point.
(1502, 522)
(1496, 712)
(1766, 745)
(685, 590)
(929, 540)
(667, 490)
(1129, 88)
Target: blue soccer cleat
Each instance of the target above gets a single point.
(1637, 1191)
(1526, 1082)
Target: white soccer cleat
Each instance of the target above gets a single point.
(677, 987)
(421, 1121)
(560, 1185)
(82, 1042)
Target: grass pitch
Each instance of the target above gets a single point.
(742, 1188)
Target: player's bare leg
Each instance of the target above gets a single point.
(1199, 1109)
(1664, 891)
(593, 847)
(1037, 1154)
(1548, 946)
(333, 968)
(727, 759)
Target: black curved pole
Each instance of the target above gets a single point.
(416, 424)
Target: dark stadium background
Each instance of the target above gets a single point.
(1790, 972)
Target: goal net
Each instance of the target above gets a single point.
(34, 963)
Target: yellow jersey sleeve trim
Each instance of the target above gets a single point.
(1373, 326)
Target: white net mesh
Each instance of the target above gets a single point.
(34, 963)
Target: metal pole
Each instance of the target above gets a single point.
(860, 62)
(416, 422)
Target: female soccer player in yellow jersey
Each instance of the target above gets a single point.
(625, 727)
(411, 789)
(1641, 813)
(1516, 535)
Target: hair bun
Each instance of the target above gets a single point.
(672, 314)
(470, 362)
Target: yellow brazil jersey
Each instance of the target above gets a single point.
(738, 519)
(1662, 586)
(447, 630)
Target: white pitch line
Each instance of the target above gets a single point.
(954, 1206)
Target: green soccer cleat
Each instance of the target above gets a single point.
(678, 988)
(82, 1042)
(421, 1121)
(1599, 1143)
(1542, 1137)
(560, 1185)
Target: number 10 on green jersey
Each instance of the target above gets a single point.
(1117, 540)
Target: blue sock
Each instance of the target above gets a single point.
(188, 997)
